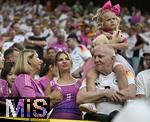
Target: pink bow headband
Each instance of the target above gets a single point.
(115, 8)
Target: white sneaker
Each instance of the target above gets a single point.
(88, 107)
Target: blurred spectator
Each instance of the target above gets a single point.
(8, 40)
(3, 95)
(37, 8)
(137, 48)
(47, 73)
(142, 79)
(8, 75)
(10, 55)
(51, 53)
(77, 8)
(60, 45)
(48, 6)
(53, 36)
(131, 42)
(18, 47)
(136, 18)
(1, 61)
(79, 54)
(36, 41)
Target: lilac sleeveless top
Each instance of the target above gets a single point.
(67, 108)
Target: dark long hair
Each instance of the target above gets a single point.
(45, 67)
(6, 69)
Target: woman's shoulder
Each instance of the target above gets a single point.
(78, 81)
(24, 79)
(23, 76)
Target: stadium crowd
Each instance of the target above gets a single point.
(90, 61)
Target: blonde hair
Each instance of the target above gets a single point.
(99, 17)
(140, 26)
(22, 63)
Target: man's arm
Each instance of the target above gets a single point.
(129, 92)
(120, 73)
(37, 43)
(91, 77)
(85, 97)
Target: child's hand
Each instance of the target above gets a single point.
(113, 96)
(117, 37)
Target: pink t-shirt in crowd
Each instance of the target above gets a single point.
(43, 82)
(26, 86)
(3, 88)
(60, 46)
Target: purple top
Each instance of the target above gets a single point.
(67, 108)
(60, 46)
(135, 19)
(26, 86)
(43, 82)
(3, 88)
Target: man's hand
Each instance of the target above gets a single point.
(114, 96)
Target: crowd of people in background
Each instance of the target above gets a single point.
(63, 52)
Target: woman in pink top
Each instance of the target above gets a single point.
(7, 74)
(3, 94)
(27, 65)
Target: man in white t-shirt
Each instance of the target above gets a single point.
(79, 54)
(143, 80)
(108, 98)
